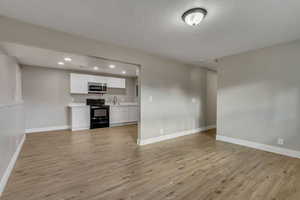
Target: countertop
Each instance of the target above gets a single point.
(77, 105)
(121, 104)
(124, 104)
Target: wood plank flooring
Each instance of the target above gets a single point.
(107, 164)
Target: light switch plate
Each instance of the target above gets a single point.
(150, 98)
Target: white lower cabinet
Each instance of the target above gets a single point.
(123, 114)
(132, 113)
(118, 114)
(80, 118)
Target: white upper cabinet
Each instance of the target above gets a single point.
(99, 79)
(116, 82)
(79, 82)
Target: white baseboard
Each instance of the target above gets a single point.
(10, 166)
(122, 124)
(44, 129)
(264, 147)
(80, 128)
(173, 135)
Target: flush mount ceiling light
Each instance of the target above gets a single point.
(194, 16)
(68, 59)
(112, 66)
(61, 63)
(96, 68)
(123, 72)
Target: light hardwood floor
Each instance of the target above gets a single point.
(107, 164)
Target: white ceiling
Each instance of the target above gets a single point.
(155, 26)
(39, 57)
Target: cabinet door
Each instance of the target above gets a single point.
(132, 113)
(79, 83)
(113, 115)
(122, 83)
(112, 82)
(99, 79)
(80, 118)
(118, 114)
(116, 82)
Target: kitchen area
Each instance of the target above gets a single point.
(102, 101)
(67, 91)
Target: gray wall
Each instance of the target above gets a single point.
(259, 96)
(47, 94)
(11, 112)
(164, 79)
(173, 88)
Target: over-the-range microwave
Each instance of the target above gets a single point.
(97, 88)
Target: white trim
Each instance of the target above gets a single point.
(173, 135)
(264, 147)
(44, 129)
(10, 166)
(122, 124)
(80, 128)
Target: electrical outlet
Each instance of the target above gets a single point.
(280, 141)
(161, 131)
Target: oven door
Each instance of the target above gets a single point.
(99, 116)
(99, 112)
